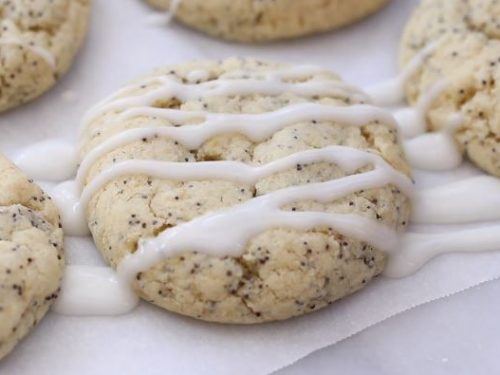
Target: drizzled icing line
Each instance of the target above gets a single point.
(273, 83)
(185, 92)
(246, 222)
(248, 219)
(296, 72)
(391, 92)
(162, 19)
(348, 159)
(257, 127)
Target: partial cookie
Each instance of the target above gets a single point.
(466, 54)
(282, 272)
(31, 255)
(38, 41)
(249, 20)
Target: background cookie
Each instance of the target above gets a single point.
(31, 255)
(38, 41)
(283, 272)
(467, 55)
(249, 20)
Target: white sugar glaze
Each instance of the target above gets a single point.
(288, 73)
(247, 220)
(73, 205)
(475, 199)
(272, 84)
(412, 125)
(89, 290)
(257, 127)
(436, 151)
(51, 160)
(162, 19)
(45, 54)
(418, 249)
(174, 89)
(66, 196)
(433, 152)
(413, 121)
(391, 92)
(471, 200)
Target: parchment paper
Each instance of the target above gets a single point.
(150, 341)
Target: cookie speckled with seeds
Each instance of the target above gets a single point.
(467, 55)
(261, 20)
(38, 41)
(282, 272)
(31, 255)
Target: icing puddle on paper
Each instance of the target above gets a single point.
(87, 290)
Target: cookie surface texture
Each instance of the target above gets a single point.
(464, 39)
(250, 20)
(282, 272)
(38, 42)
(31, 255)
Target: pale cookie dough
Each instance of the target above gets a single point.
(466, 34)
(283, 272)
(251, 20)
(38, 41)
(31, 255)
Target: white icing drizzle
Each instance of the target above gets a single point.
(173, 89)
(247, 220)
(412, 121)
(256, 127)
(162, 19)
(472, 200)
(412, 125)
(287, 73)
(67, 198)
(445, 155)
(89, 290)
(44, 53)
(274, 83)
(349, 159)
(433, 152)
(51, 160)
(290, 73)
(391, 92)
(418, 249)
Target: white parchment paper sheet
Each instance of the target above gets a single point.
(150, 341)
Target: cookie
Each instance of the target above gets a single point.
(240, 134)
(38, 41)
(31, 255)
(465, 53)
(252, 21)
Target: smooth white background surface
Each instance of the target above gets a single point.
(457, 335)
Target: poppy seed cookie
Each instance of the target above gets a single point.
(282, 272)
(467, 55)
(38, 41)
(31, 255)
(251, 21)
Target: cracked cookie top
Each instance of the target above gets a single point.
(249, 114)
(38, 41)
(467, 55)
